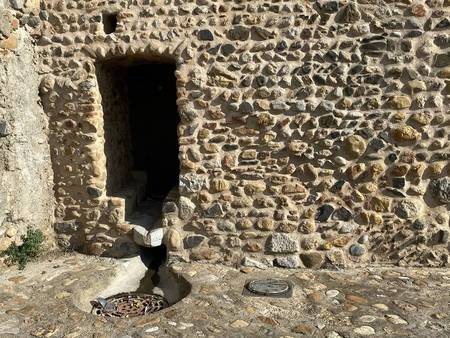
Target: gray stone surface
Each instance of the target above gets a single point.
(186, 208)
(193, 241)
(342, 214)
(10, 326)
(357, 250)
(440, 189)
(4, 129)
(5, 23)
(312, 260)
(214, 210)
(226, 225)
(26, 175)
(66, 227)
(192, 182)
(282, 243)
(349, 13)
(324, 212)
(289, 262)
(251, 262)
(407, 209)
(205, 35)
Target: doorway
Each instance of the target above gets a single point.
(141, 141)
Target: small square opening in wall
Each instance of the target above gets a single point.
(109, 22)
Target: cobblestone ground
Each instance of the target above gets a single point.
(378, 302)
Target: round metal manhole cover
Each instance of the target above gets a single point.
(268, 287)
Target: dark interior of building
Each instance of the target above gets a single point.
(153, 124)
(140, 124)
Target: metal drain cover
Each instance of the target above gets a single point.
(129, 304)
(268, 288)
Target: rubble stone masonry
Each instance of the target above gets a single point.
(313, 133)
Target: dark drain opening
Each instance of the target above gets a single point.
(158, 289)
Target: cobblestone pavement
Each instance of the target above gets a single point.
(377, 302)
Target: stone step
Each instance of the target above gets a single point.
(146, 220)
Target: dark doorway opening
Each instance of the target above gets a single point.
(153, 122)
(141, 142)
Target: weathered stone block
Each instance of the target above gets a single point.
(94, 192)
(348, 14)
(440, 189)
(282, 243)
(313, 260)
(240, 33)
(214, 210)
(205, 35)
(4, 129)
(289, 262)
(405, 134)
(68, 227)
(406, 209)
(251, 262)
(324, 212)
(357, 250)
(399, 102)
(193, 241)
(354, 146)
(441, 60)
(172, 240)
(193, 182)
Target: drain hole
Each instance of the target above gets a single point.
(143, 285)
(109, 22)
(130, 304)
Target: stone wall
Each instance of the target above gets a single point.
(312, 134)
(113, 89)
(26, 195)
